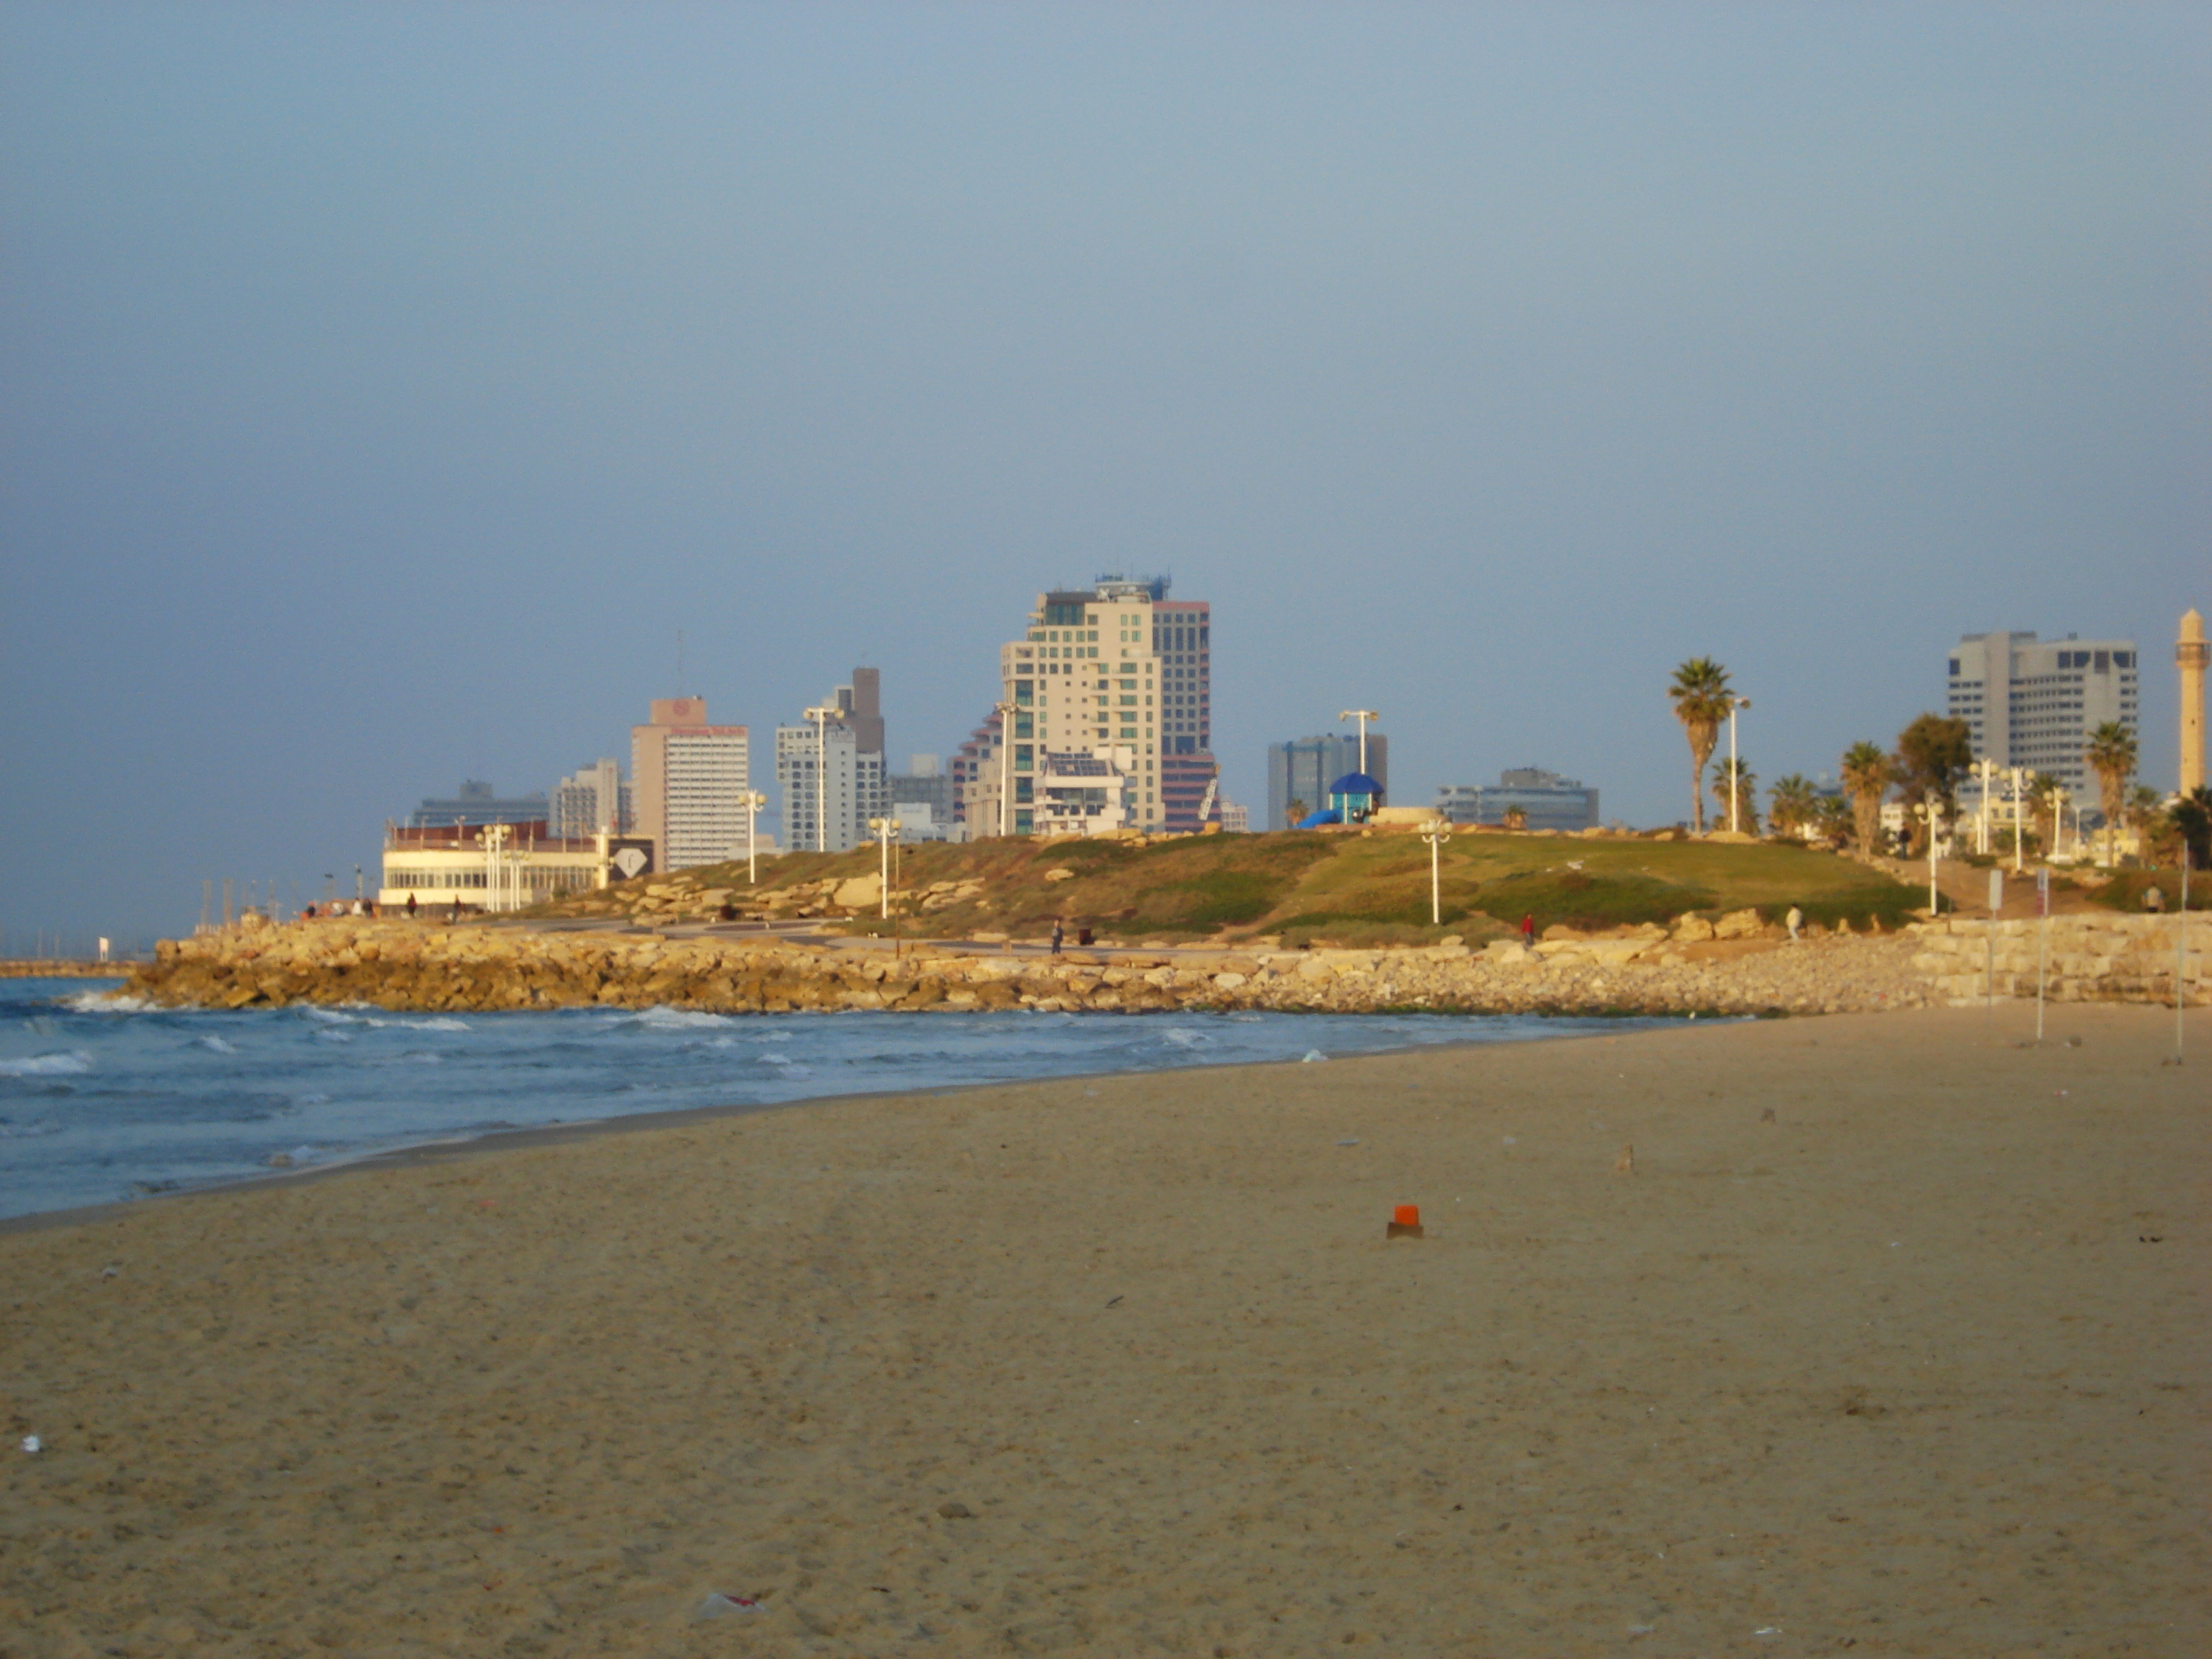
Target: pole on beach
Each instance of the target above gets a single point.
(1997, 903)
(2042, 942)
(2181, 954)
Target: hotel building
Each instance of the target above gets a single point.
(2032, 703)
(689, 780)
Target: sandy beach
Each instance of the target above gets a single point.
(1890, 1336)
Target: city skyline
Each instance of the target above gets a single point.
(385, 393)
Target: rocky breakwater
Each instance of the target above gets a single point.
(2080, 959)
(1735, 967)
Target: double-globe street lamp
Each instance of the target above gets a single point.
(753, 801)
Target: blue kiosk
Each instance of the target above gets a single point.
(1352, 798)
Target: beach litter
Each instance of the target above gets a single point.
(32, 1443)
(719, 1606)
(1405, 1223)
(956, 1511)
(1354, 1142)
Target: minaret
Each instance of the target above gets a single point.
(2190, 652)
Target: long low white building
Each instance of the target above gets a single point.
(500, 867)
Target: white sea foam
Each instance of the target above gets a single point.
(105, 1002)
(330, 1016)
(1181, 1036)
(677, 1019)
(214, 1045)
(333, 1036)
(75, 1063)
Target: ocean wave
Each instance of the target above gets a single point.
(105, 1002)
(328, 1035)
(1181, 1036)
(330, 1016)
(75, 1063)
(215, 1045)
(27, 1131)
(658, 1019)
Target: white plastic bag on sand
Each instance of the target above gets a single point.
(31, 1442)
(719, 1606)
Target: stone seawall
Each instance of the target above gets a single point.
(2084, 958)
(401, 965)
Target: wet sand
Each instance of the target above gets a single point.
(1125, 1365)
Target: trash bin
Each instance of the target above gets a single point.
(1082, 936)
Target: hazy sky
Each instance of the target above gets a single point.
(384, 385)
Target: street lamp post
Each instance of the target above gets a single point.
(754, 801)
(1363, 716)
(821, 716)
(2019, 826)
(1988, 770)
(887, 831)
(1006, 712)
(1735, 777)
(1926, 812)
(1436, 832)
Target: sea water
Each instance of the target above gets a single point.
(101, 1099)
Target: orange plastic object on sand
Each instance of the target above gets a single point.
(1405, 1222)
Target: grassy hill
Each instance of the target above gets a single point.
(1322, 887)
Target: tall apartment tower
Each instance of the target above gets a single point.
(2032, 703)
(1119, 674)
(688, 781)
(2190, 655)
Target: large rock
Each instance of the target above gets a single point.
(858, 894)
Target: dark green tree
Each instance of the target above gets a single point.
(1934, 754)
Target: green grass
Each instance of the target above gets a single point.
(1340, 889)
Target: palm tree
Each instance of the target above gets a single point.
(1746, 794)
(1866, 780)
(1515, 817)
(1701, 697)
(1831, 816)
(2112, 756)
(1791, 804)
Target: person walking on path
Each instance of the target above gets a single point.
(1058, 933)
(410, 907)
(1796, 920)
(1528, 932)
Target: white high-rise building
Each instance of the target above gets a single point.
(831, 786)
(2032, 702)
(689, 782)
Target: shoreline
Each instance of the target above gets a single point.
(488, 1142)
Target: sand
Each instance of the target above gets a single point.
(1125, 1365)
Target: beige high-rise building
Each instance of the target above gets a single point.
(688, 782)
(2190, 652)
(1084, 678)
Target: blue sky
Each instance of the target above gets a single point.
(385, 387)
